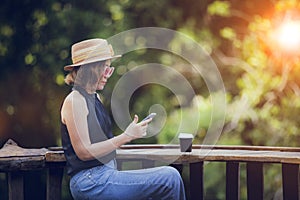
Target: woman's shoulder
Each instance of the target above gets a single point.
(74, 98)
(74, 102)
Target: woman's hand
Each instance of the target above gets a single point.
(137, 130)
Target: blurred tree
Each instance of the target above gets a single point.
(35, 45)
(268, 87)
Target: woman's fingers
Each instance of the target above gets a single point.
(136, 119)
(145, 122)
(138, 130)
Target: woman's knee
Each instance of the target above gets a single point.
(172, 171)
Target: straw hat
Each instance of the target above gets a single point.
(89, 51)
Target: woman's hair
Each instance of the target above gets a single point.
(83, 75)
(71, 76)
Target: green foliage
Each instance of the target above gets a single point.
(214, 179)
(264, 93)
(221, 8)
(228, 33)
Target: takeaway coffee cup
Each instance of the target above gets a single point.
(185, 140)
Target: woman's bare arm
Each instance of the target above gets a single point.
(74, 114)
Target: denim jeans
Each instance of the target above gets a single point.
(106, 183)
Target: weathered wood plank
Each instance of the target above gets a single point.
(175, 156)
(55, 156)
(13, 158)
(11, 149)
(166, 153)
(21, 163)
(220, 147)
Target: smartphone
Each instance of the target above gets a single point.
(151, 115)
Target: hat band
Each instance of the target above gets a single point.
(93, 54)
(82, 58)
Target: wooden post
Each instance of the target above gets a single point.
(290, 181)
(54, 179)
(255, 181)
(196, 181)
(15, 185)
(232, 180)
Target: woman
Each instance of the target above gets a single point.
(89, 144)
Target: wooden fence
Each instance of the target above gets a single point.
(15, 161)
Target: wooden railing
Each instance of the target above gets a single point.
(15, 161)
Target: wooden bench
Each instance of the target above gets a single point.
(15, 160)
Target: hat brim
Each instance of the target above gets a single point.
(70, 67)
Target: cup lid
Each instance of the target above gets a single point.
(185, 136)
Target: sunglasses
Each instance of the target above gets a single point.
(108, 71)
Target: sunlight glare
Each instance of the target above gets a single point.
(288, 36)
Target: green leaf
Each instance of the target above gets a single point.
(220, 8)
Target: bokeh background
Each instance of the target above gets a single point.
(254, 43)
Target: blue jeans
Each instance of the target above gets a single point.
(106, 183)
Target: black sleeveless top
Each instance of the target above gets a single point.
(99, 128)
